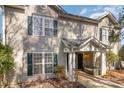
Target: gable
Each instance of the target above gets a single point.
(43, 10)
(110, 16)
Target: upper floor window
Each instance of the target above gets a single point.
(49, 27)
(104, 34)
(42, 26)
(37, 25)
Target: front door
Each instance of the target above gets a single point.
(80, 61)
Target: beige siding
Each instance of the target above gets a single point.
(15, 31)
(71, 29)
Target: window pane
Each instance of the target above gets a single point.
(48, 32)
(48, 68)
(48, 58)
(37, 21)
(48, 23)
(37, 30)
(37, 58)
(38, 69)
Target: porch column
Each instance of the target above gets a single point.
(73, 72)
(70, 67)
(66, 65)
(103, 63)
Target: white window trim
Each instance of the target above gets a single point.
(43, 63)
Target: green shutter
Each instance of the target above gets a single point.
(113, 32)
(55, 24)
(29, 69)
(100, 36)
(111, 35)
(29, 25)
(55, 59)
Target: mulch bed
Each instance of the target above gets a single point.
(50, 83)
(116, 76)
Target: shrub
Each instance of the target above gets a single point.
(60, 72)
(111, 58)
(6, 63)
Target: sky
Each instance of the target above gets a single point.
(92, 11)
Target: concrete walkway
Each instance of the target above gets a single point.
(96, 82)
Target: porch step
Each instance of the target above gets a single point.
(89, 71)
(97, 81)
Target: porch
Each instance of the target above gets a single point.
(88, 55)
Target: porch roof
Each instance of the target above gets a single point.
(75, 43)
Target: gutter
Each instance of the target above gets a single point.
(21, 7)
(79, 18)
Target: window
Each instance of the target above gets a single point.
(49, 27)
(48, 63)
(37, 25)
(104, 35)
(44, 26)
(37, 63)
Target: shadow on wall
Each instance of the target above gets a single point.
(43, 9)
(15, 32)
(18, 39)
(73, 29)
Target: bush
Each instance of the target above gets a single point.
(121, 53)
(112, 58)
(60, 72)
(6, 63)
